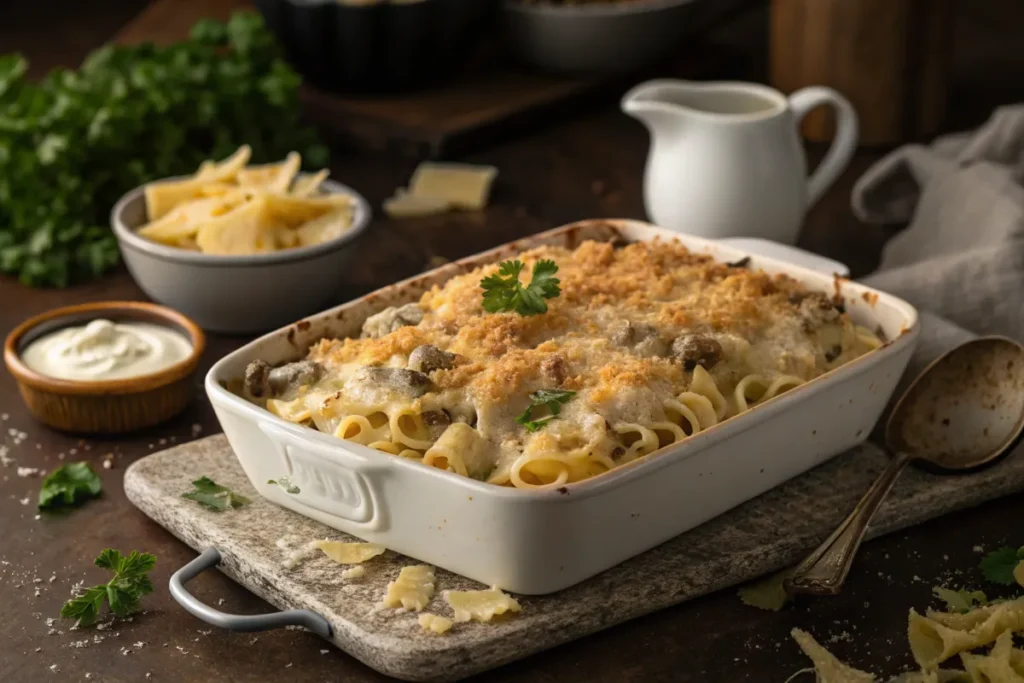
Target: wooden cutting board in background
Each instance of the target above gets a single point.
(490, 100)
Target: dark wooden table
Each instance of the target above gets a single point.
(547, 178)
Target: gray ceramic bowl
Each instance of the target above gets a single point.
(595, 38)
(237, 294)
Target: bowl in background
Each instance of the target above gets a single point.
(377, 45)
(237, 294)
(604, 37)
(106, 406)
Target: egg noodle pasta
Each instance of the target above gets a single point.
(936, 638)
(620, 353)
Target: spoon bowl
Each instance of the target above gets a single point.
(966, 409)
(963, 413)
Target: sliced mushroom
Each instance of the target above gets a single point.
(257, 382)
(642, 338)
(391, 319)
(294, 375)
(697, 349)
(815, 308)
(436, 421)
(427, 358)
(408, 382)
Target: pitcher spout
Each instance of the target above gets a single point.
(657, 103)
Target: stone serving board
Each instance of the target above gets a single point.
(763, 535)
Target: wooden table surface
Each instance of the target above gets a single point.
(588, 167)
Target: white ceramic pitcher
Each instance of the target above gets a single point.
(726, 158)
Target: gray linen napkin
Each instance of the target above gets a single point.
(961, 259)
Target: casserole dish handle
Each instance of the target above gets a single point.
(237, 622)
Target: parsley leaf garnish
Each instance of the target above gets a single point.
(123, 592)
(961, 601)
(503, 292)
(768, 593)
(998, 565)
(214, 496)
(552, 399)
(286, 484)
(70, 484)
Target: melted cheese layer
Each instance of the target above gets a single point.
(618, 336)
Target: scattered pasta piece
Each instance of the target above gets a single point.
(828, 668)
(937, 637)
(356, 572)
(1003, 664)
(412, 589)
(480, 605)
(933, 642)
(435, 623)
(1018, 573)
(350, 553)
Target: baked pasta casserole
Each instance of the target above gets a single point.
(607, 355)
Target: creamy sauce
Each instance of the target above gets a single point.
(105, 350)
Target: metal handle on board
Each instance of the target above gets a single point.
(210, 558)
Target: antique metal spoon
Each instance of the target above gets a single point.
(962, 413)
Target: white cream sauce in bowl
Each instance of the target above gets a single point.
(105, 350)
(106, 367)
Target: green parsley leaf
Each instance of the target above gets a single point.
(960, 600)
(503, 292)
(218, 498)
(70, 484)
(74, 142)
(286, 484)
(123, 592)
(552, 399)
(998, 565)
(768, 593)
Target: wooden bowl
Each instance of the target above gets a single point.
(105, 406)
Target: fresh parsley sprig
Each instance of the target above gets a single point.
(998, 566)
(961, 601)
(123, 592)
(212, 495)
(286, 484)
(70, 484)
(552, 399)
(503, 292)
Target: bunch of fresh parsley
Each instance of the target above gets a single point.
(503, 292)
(123, 592)
(72, 144)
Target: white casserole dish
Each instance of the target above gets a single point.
(536, 542)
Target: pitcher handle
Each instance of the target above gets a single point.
(843, 145)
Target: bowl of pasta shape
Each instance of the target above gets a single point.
(241, 248)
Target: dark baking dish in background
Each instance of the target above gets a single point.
(377, 45)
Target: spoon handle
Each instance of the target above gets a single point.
(825, 569)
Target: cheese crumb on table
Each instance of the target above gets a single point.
(439, 187)
(481, 605)
(463, 185)
(356, 572)
(435, 623)
(412, 589)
